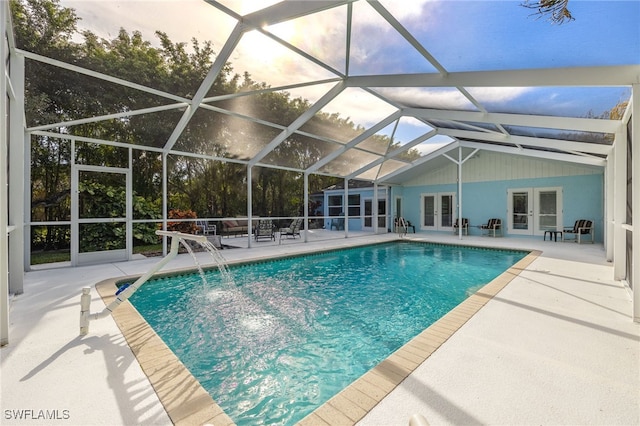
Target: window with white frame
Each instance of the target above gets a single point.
(335, 205)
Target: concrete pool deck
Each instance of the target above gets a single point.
(555, 346)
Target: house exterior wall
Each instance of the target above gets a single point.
(487, 178)
(355, 222)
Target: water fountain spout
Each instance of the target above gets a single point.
(85, 299)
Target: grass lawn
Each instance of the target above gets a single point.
(54, 256)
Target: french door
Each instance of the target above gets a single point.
(367, 218)
(531, 211)
(437, 211)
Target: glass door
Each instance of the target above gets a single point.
(446, 212)
(100, 206)
(367, 211)
(382, 215)
(547, 211)
(437, 211)
(429, 212)
(532, 211)
(520, 211)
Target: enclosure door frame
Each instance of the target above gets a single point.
(104, 256)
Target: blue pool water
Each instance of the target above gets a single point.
(289, 334)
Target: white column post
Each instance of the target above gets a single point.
(374, 208)
(16, 178)
(459, 192)
(635, 208)
(345, 207)
(609, 199)
(129, 206)
(306, 207)
(619, 208)
(249, 203)
(165, 191)
(4, 231)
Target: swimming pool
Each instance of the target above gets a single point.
(291, 333)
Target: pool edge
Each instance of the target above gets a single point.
(350, 405)
(188, 403)
(183, 398)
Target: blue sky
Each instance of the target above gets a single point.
(486, 35)
(462, 35)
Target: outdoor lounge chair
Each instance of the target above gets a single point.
(580, 230)
(293, 229)
(205, 228)
(465, 226)
(492, 227)
(264, 230)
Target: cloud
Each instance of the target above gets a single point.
(322, 35)
(182, 20)
(498, 94)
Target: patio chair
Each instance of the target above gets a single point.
(338, 223)
(492, 227)
(205, 228)
(264, 230)
(293, 229)
(581, 229)
(402, 225)
(465, 226)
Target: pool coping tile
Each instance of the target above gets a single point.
(188, 403)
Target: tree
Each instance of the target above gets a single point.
(556, 10)
(208, 187)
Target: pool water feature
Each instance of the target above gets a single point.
(288, 334)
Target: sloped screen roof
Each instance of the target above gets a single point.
(381, 85)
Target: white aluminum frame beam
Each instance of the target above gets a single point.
(101, 76)
(570, 158)
(524, 120)
(214, 71)
(394, 153)
(355, 141)
(557, 144)
(19, 175)
(287, 10)
(407, 35)
(4, 205)
(298, 122)
(635, 208)
(600, 76)
(437, 153)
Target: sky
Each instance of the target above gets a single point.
(462, 35)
